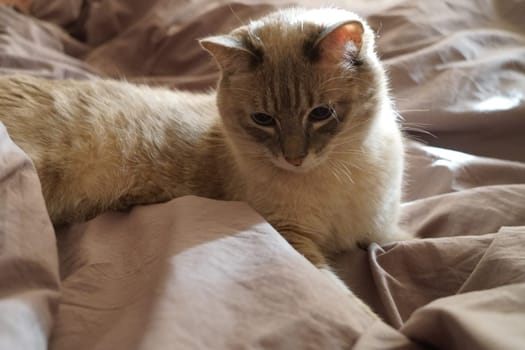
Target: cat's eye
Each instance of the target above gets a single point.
(320, 113)
(263, 119)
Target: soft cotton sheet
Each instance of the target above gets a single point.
(194, 273)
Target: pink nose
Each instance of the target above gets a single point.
(297, 161)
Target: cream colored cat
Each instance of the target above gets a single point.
(301, 128)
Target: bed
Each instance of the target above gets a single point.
(195, 273)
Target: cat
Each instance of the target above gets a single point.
(301, 127)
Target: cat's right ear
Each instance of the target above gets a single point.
(340, 43)
(229, 53)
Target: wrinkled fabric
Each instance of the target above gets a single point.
(193, 266)
(195, 273)
(29, 279)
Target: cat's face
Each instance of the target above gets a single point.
(294, 90)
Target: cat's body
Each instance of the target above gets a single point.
(104, 144)
(324, 181)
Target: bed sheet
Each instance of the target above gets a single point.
(196, 273)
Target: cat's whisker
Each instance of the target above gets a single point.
(338, 150)
(350, 136)
(339, 146)
(334, 172)
(417, 130)
(340, 170)
(235, 15)
(354, 125)
(351, 153)
(325, 91)
(238, 89)
(333, 79)
(415, 110)
(334, 115)
(398, 115)
(337, 172)
(347, 172)
(343, 78)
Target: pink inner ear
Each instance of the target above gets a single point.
(343, 41)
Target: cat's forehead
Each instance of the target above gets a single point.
(296, 21)
(290, 29)
(298, 17)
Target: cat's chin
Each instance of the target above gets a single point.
(307, 165)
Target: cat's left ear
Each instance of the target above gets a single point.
(340, 43)
(229, 52)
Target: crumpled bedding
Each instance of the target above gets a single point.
(195, 273)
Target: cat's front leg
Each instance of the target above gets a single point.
(304, 245)
(311, 251)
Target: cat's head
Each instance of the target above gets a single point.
(298, 87)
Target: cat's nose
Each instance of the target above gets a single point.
(297, 161)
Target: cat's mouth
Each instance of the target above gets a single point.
(295, 165)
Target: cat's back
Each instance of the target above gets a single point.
(20, 94)
(69, 110)
(29, 96)
(105, 142)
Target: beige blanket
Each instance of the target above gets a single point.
(200, 274)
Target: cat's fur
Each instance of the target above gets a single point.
(100, 145)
